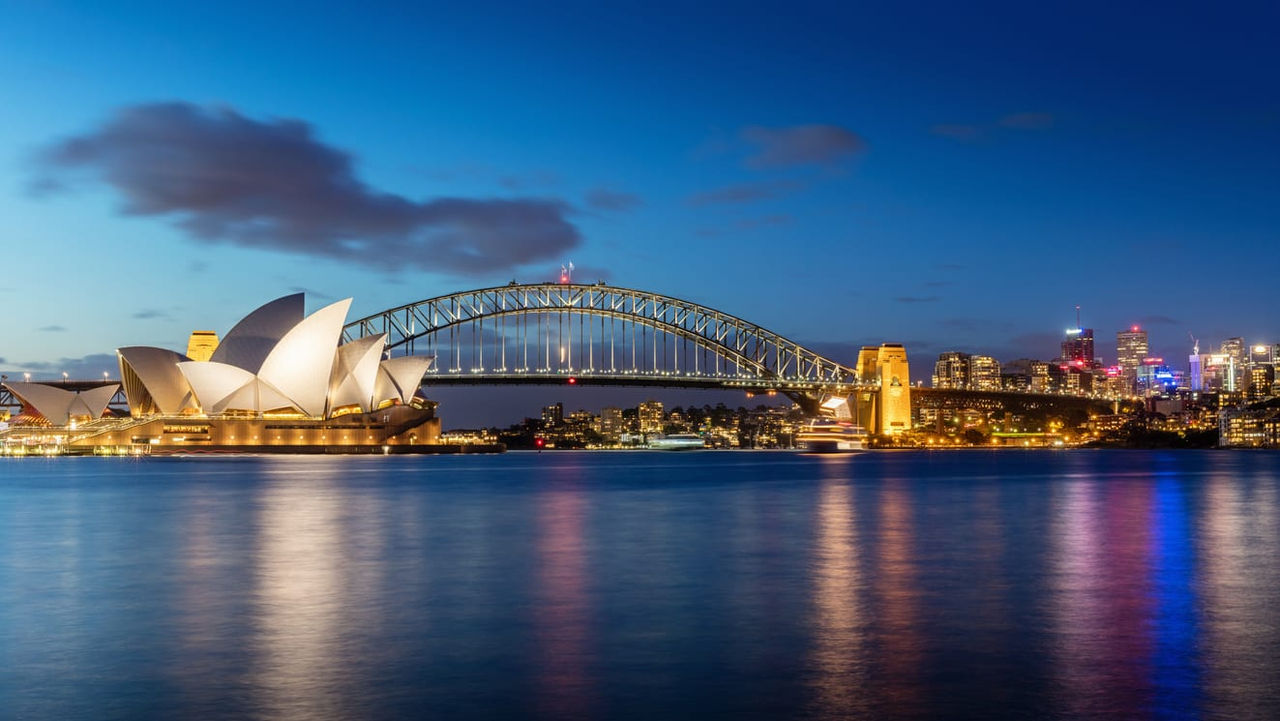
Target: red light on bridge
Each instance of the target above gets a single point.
(572, 380)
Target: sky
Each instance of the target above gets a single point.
(949, 176)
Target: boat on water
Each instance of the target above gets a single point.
(827, 435)
(677, 442)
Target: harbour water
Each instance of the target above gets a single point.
(643, 585)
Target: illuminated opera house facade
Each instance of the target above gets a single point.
(278, 381)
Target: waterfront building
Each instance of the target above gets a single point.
(652, 418)
(1249, 427)
(278, 379)
(553, 415)
(610, 424)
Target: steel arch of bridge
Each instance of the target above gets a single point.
(504, 322)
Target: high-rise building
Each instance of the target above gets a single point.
(201, 345)
(984, 373)
(951, 371)
(1236, 363)
(1077, 347)
(610, 423)
(553, 415)
(1131, 348)
(651, 417)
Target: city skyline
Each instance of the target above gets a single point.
(948, 192)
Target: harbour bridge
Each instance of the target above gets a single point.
(598, 334)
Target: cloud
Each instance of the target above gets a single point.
(957, 132)
(149, 313)
(1157, 320)
(745, 193)
(272, 185)
(763, 222)
(52, 329)
(949, 266)
(800, 145)
(917, 299)
(1027, 121)
(605, 199)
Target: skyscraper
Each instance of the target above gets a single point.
(1131, 348)
(1077, 347)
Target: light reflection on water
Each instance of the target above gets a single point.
(635, 585)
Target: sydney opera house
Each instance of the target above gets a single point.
(279, 381)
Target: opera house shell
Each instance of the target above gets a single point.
(279, 378)
(275, 362)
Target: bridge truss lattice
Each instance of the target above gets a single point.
(549, 332)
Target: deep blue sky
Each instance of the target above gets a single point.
(949, 176)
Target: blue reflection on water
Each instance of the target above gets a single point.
(642, 585)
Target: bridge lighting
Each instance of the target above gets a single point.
(572, 380)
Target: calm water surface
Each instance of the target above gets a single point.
(641, 585)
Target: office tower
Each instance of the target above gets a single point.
(1234, 373)
(1077, 347)
(1131, 348)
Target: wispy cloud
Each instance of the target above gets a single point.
(957, 131)
(613, 200)
(800, 145)
(917, 299)
(52, 329)
(271, 184)
(151, 313)
(745, 192)
(1157, 320)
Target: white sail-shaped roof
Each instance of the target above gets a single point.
(355, 372)
(93, 402)
(301, 363)
(152, 381)
(253, 338)
(214, 383)
(220, 388)
(399, 377)
(59, 405)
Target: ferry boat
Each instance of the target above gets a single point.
(677, 442)
(826, 435)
